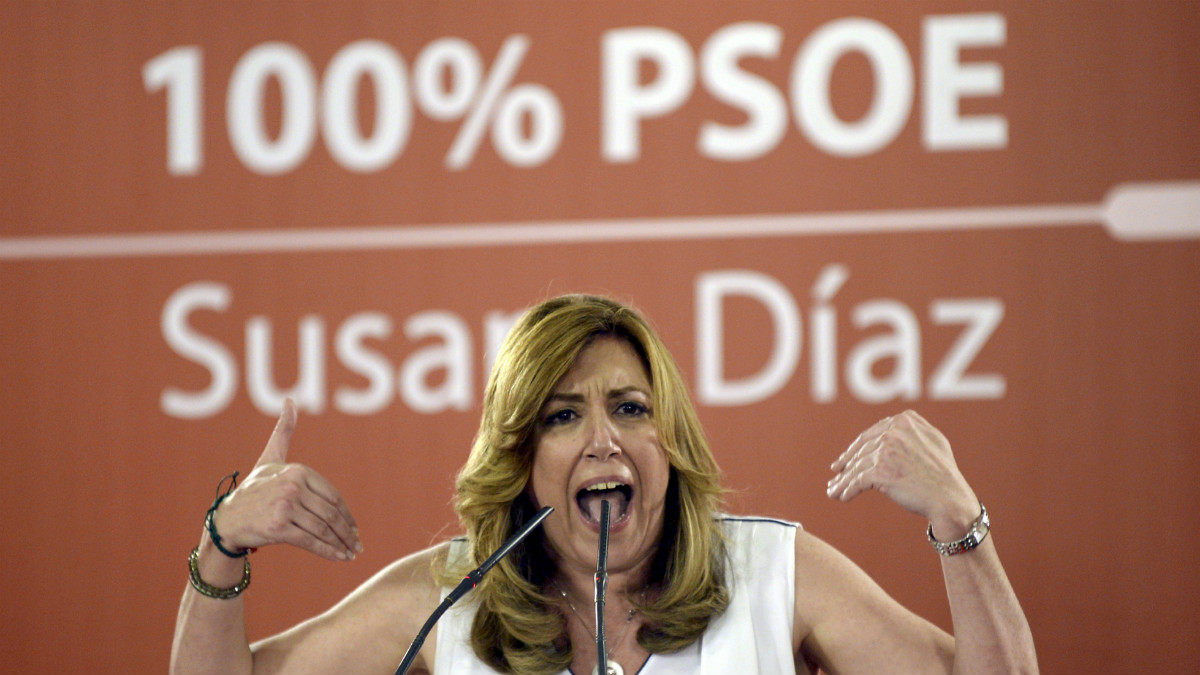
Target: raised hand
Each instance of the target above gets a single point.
(909, 460)
(287, 503)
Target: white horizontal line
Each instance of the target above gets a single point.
(552, 232)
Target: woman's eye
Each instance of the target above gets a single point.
(631, 409)
(559, 417)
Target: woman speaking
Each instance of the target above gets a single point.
(585, 405)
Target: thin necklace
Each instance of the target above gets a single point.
(614, 668)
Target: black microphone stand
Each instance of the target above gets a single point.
(470, 581)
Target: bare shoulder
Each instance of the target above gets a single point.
(816, 558)
(370, 629)
(824, 579)
(411, 577)
(845, 622)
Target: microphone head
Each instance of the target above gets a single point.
(605, 516)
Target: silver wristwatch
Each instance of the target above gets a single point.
(975, 536)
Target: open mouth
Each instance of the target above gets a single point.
(618, 495)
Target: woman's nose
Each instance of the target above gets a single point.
(602, 440)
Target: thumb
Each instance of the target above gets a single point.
(277, 445)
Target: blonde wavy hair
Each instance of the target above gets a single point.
(515, 630)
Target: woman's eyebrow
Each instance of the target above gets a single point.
(616, 393)
(612, 393)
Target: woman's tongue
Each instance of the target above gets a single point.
(589, 504)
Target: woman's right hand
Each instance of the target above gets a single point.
(287, 503)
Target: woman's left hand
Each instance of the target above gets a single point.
(909, 460)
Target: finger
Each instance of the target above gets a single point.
(343, 531)
(859, 474)
(326, 491)
(301, 538)
(852, 452)
(277, 445)
(863, 439)
(862, 481)
(865, 444)
(290, 522)
(866, 457)
(322, 530)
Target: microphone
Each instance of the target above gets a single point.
(470, 581)
(601, 589)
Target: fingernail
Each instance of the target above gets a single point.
(341, 555)
(358, 546)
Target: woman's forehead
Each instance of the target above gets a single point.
(606, 362)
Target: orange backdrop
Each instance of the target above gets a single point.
(986, 211)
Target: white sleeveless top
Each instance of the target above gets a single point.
(753, 635)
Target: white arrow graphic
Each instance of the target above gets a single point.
(1158, 211)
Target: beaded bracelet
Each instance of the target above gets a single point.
(208, 589)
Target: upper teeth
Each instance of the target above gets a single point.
(604, 486)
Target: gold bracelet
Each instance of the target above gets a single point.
(213, 591)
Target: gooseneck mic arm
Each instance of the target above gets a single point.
(470, 581)
(601, 589)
